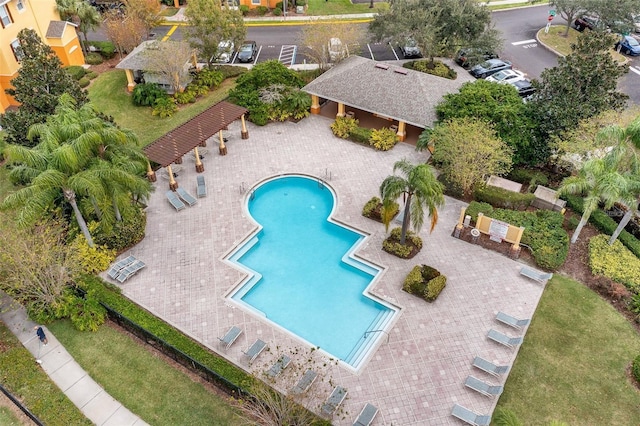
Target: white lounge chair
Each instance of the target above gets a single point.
(115, 269)
(305, 382)
(255, 350)
(201, 190)
(512, 321)
(482, 387)
(503, 339)
(175, 201)
(129, 271)
(334, 401)
(230, 337)
(279, 366)
(186, 197)
(366, 416)
(469, 416)
(489, 367)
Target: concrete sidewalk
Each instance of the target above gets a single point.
(96, 404)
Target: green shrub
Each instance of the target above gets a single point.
(125, 233)
(91, 75)
(572, 223)
(383, 139)
(244, 9)
(476, 207)
(429, 273)
(93, 58)
(185, 97)
(392, 244)
(615, 262)
(164, 107)
(374, 209)
(105, 48)
(262, 10)
(360, 135)
(279, 5)
(434, 288)
(86, 314)
(502, 198)
(230, 71)
(301, 2)
(635, 368)
(343, 126)
(397, 249)
(209, 77)
(146, 94)
(76, 71)
(436, 68)
(92, 259)
(83, 82)
(370, 206)
(529, 177)
(413, 283)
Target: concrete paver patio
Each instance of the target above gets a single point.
(416, 376)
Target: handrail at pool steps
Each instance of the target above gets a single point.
(361, 349)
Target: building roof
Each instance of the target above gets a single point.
(187, 136)
(385, 89)
(56, 28)
(138, 60)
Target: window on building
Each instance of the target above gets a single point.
(255, 1)
(5, 16)
(17, 50)
(20, 5)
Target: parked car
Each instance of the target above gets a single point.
(489, 67)
(586, 21)
(524, 87)
(410, 48)
(337, 50)
(628, 45)
(506, 76)
(248, 51)
(636, 23)
(469, 56)
(225, 51)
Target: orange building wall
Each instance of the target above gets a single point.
(271, 4)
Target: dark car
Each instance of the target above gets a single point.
(629, 45)
(590, 22)
(467, 57)
(489, 67)
(524, 87)
(410, 48)
(248, 51)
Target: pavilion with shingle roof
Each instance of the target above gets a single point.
(384, 90)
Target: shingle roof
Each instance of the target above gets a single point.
(187, 136)
(137, 60)
(384, 89)
(56, 28)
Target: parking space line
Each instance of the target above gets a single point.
(518, 43)
(394, 51)
(287, 54)
(370, 52)
(255, 61)
(635, 69)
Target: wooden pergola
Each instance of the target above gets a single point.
(170, 148)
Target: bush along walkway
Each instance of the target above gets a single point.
(97, 405)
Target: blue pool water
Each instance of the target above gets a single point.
(304, 281)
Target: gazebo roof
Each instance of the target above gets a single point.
(139, 59)
(384, 89)
(187, 136)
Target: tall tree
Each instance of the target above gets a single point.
(37, 87)
(616, 16)
(569, 10)
(316, 38)
(125, 34)
(169, 60)
(583, 85)
(146, 11)
(81, 13)
(468, 150)
(438, 27)
(209, 24)
(421, 190)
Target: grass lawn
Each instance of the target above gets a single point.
(109, 95)
(340, 7)
(572, 364)
(7, 418)
(556, 39)
(144, 383)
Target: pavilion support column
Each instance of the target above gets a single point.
(340, 110)
(199, 165)
(222, 149)
(515, 248)
(151, 175)
(130, 81)
(244, 134)
(402, 131)
(176, 3)
(173, 185)
(315, 104)
(460, 225)
(203, 143)
(178, 160)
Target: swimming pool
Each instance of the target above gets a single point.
(302, 274)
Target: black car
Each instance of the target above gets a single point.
(590, 22)
(467, 57)
(248, 51)
(524, 87)
(489, 67)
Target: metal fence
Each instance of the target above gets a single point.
(24, 409)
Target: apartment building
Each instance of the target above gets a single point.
(42, 17)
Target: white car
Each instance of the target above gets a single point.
(337, 50)
(506, 76)
(225, 51)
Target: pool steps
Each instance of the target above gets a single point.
(365, 344)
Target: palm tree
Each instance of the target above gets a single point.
(81, 13)
(421, 191)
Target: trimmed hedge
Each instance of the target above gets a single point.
(605, 224)
(502, 198)
(435, 287)
(361, 135)
(549, 242)
(424, 281)
(76, 71)
(436, 68)
(615, 262)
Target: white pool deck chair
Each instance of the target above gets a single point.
(305, 382)
(278, 367)
(130, 270)
(255, 350)
(201, 190)
(366, 416)
(469, 416)
(227, 340)
(115, 269)
(512, 321)
(186, 197)
(482, 387)
(489, 367)
(175, 201)
(334, 401)
(503, 339)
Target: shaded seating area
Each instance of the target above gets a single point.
(115, 268)
(512, 321)
(130, 270)
(469, 416)
(503, 339)
(230, 336)
(255, 350)
(186, 197)
(482, 387)
(305, 382)
(334, 401)
(489, 367)
(175, 201)
(278, 367)
(366, 416)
